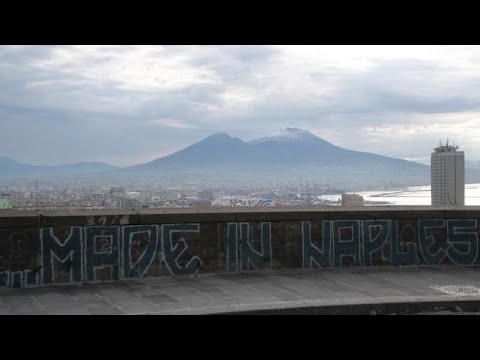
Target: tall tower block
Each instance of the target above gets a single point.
(448, 176)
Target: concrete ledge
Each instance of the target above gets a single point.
(58, 247)
(29, 219)
(385, 290)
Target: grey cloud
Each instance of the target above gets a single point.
(70, 118)
(236, 64)
(392, 87)
(23, 55)
(62, 137)
(180, 103)
(251, 53)
(48, 90)
(377, 96)
(390, 101)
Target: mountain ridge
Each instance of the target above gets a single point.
(290, 139)
(11, 167)
(285, 156)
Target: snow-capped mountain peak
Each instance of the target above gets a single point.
(291, 134)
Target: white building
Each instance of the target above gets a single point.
(448, 176)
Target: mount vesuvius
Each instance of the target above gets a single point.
(286, 156)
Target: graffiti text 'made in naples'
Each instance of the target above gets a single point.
(93, 253)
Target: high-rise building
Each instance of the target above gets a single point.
(448, 176)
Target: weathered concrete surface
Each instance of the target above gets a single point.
(314, 291)
(29, 219)
(56, 247)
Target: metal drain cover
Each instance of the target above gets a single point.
(458, 289)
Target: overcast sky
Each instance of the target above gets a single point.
(131, 104)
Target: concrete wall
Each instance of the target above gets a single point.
(58, 247)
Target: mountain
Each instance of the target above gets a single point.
(215, 150)
(10, 167)
(288, 156)
(285, 156)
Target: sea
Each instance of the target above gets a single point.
(417, 195)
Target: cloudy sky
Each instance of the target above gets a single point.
(131, 104)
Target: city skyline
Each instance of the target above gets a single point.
(125, 105)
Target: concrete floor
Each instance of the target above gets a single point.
(348, 291)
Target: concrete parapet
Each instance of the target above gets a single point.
(41, 248)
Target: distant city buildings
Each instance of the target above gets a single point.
(5, 204)
(201, 204)
(51, 194)
(206, 195)
(447, 176)
(352, 200)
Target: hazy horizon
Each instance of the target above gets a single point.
(421, 160)
(425, 160)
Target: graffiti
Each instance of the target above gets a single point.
(375, 235)
(357, 242)
(70, 249)
(398, 256)
(241, 255)
(172, 253)
(459, 232)
(312, 255)
(346, 242)
(4, 278)
(19, 278)
(462, 232)
(109, 252)
(102, 250)
(133, 238)
(126, 251)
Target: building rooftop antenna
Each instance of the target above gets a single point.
(446, 148)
